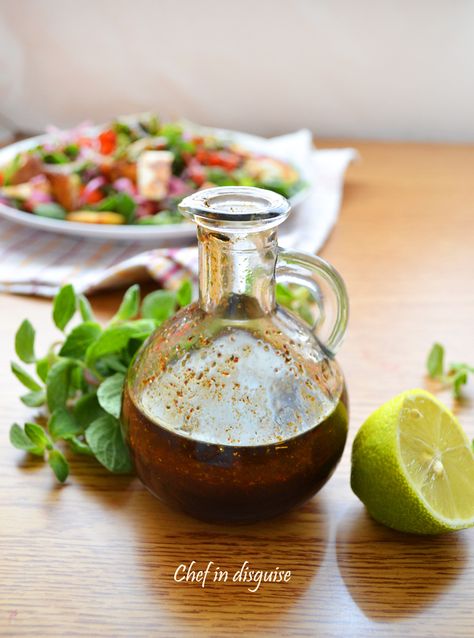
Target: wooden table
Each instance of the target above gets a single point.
(97, 556)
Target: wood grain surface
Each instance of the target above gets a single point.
(97, 556)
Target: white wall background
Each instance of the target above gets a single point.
(366, 68)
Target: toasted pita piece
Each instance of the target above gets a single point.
(268, 169)
(65, 189)
(95, 217)
(30, 167)
(18, 191)
(120, 168)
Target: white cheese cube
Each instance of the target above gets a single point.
(153, 173)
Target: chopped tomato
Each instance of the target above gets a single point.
(197, 174)
(93, 197)
(229, 161)
(224, 159)
(1, 179)
(146, 209)
(108, 142)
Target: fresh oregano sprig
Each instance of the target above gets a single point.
(78, 382)
(454, 375)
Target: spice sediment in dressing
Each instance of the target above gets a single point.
(237, 391)
(235, 431)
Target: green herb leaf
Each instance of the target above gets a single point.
(42, 367)
(456, 367)
(87, 409)
(77, 381)
(435, 361)
(72, 150)
(219, 176)
(57, 384)
(105, 439)
(150, 124)
(63, 425)
(163, 218)
(120, 203)
(64, 306)
(305, 313)
(59, 465)
(38, 436)
(457, 373)
(20, 440)
(55, 157)
(10, 171)
(25, 378)
(85, 309)
(296, 298)
(34, 399)
(114, 363)
(78, 446)
(79, 339)
(51, 210)
(159, 305)
(460, 379)
(25, 342)
(279, 186)
(184, 294)
(284, 295)
(133, 345)
(109, 394)
(129, 306)
(113, 339)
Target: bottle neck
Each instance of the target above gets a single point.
(237, 273)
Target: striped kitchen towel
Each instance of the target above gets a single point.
(38, 263)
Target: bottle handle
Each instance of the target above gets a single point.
(301, 268)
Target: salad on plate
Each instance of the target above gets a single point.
(134, 170)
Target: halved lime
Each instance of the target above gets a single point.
(413, 466)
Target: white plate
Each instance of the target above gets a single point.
(277, 147)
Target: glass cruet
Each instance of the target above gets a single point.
(235, 409)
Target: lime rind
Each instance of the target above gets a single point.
(380, 476)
